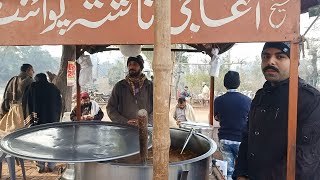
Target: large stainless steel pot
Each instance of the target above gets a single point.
(191, 169)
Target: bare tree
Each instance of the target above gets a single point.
(60, 80)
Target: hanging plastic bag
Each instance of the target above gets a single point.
(215, 62)
(85, 76)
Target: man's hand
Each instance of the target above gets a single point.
(34, 115)
(88, 117)
(27, 120)
(178, 122)
(217, 117)
(242, 178)
(133, 122)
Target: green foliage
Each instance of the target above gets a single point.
(251, 76)
(12, 57)
(116, 72)
(308, 67)
(218, 81)
(194, 81)
(148, 54)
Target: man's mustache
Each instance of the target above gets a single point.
(270, 67)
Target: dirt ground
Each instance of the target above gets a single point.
(31, 172)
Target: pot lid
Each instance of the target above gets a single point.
(195, 125)
(74, 142)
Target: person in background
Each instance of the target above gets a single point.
(18, 85)
(263, 150)
(205, 94)
(185, 93)
(90, 110)
(183, 112)
(44, 99)
(131, 94)
(42, 103)
(231, 110)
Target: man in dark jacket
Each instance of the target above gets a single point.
(263, 151)
(231, 110)
(90, 109)
(131, 94)
(42, 99)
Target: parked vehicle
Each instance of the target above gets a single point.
(100, 97)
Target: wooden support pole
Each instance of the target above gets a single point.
(162, 66)
(173, 58)
(292, 111)
(211, 100)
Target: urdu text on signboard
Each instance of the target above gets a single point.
(25, 22)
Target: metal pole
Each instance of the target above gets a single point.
(78, 92)
(292, 111)
(211, 100)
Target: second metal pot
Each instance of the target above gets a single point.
(195, 168)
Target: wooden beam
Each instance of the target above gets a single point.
(292, 111)
(162, 66)
(152, 49)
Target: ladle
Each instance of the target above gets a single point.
(191, 132)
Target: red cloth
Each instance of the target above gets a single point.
(84, 95)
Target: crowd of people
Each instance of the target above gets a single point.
(252, 134)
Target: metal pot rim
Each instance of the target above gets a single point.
(213, 148)
(4, 142)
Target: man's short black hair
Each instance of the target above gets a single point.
(232, 80)
(41, 77)
(181, 100)
(25, 67)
